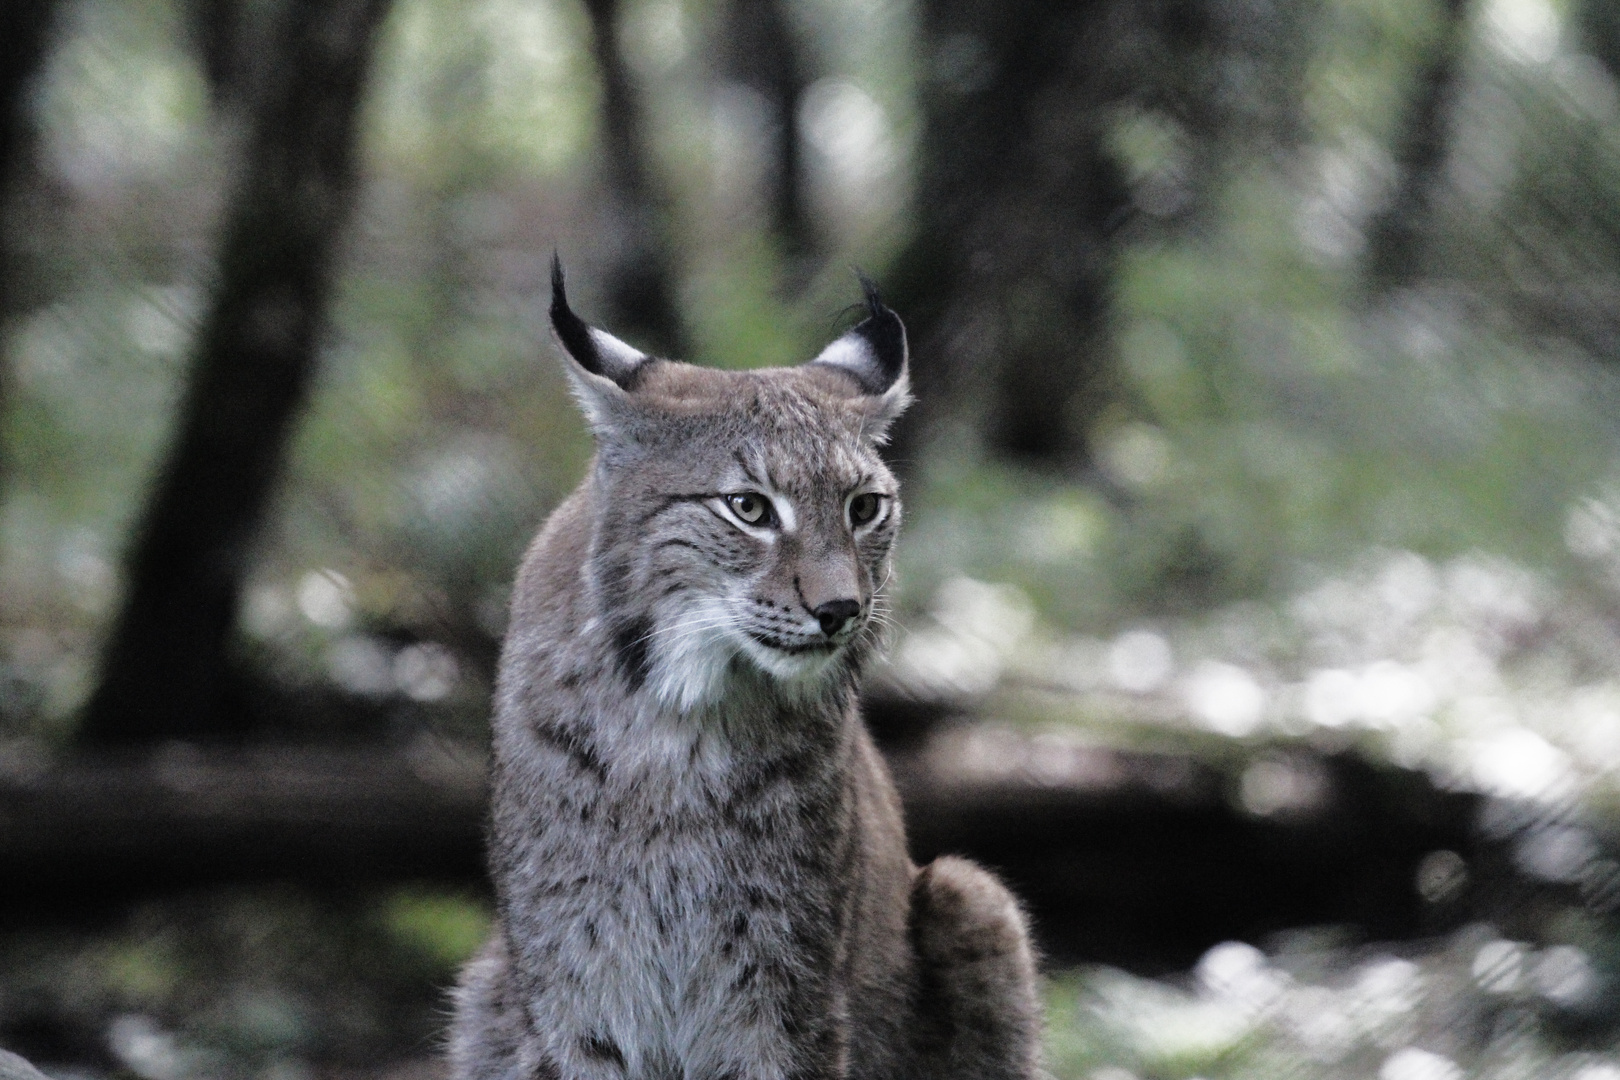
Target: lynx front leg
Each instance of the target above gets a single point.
(978, 1015)
(784, 1025)
(490, 1039)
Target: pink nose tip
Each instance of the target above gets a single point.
(835, 613)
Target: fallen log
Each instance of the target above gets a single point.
(1141, 859)
(78, 830)
(1145, 860)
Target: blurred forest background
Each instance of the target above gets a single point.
(1260, 593)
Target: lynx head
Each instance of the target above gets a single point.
(743, 519)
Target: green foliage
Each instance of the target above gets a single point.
(230, 982)
(446, 930)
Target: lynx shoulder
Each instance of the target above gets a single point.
(698, 855)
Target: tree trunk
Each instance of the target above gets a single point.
(1395, 236)
(1006, 286)
(1599, 22)
(760, 53)
(640, 277)
(24, 37)
(235, 40)
(165, 673)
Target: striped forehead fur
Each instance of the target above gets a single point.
(768, 400)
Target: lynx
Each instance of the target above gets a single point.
(698, 855)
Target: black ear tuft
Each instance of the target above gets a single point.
(874, 349)
(597, 352)
(570, 328)
(885, 333)
(874, 302)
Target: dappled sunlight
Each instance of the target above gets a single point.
(1467, 669)
(1474, 1004)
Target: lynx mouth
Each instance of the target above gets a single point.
(793, 663)
(810, 648)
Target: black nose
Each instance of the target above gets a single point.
(835, 613)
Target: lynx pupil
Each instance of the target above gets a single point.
(863, 508)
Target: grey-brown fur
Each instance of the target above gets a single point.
(697, 852)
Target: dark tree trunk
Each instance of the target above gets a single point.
(1599, 22)
(1022, 208)
(640, 278)
(1395, 236)
(235, 39)
(760, 52)
(24, 35)
(166, 671)
(24, 38)
(1007, 285)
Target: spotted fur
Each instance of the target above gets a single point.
(698, 855)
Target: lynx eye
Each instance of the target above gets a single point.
(751, 507)
(863, 508)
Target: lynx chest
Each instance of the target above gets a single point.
(680, 895)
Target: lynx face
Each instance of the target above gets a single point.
(744, 519)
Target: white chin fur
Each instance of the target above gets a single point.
(693, 651)
(691, 656)
(799, 668)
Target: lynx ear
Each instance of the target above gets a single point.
(874, 352)
(603, 369)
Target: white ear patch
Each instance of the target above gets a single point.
(618, 359)
(600, 387)
(854, 354)
(874, 350)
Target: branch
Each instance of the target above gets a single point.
(24, 37)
